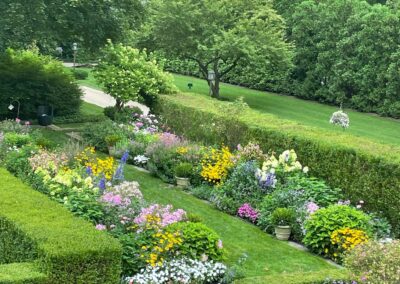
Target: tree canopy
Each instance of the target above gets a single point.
(217, 35)
(129, 74)
(52, 23)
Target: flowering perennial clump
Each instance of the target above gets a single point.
(98, 167)
(347, 239)
(163, 245)
(215, 164)
(182, 270)
(48, 160)
(250, 152)
(123, 194)
(340, 118)
(158, 216)
(248, 212)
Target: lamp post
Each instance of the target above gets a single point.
(74, 49)
(211, 80)
(11, 106)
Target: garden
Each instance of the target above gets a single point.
(198, 181)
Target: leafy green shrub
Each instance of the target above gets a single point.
(78, 118)
(17, 161)
(183, 170)
(375, 262)
(36, 80)
(95, 134)
(17, 140)
(225, 203)
(314, 189)
(325, 221)
(80, 74)
(122, 115)
(69, 250)
(162, 161)
(198, 240)
(282, 217)
(338, 158)
(242, 186)
(204, 191)
(22, 273)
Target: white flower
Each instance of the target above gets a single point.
(340, 118)
(141, 159)
(305, 170)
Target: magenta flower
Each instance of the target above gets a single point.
(247, 212)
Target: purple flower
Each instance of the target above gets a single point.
(102, 184)
(101, 227)
(220, 244)
(89, 171)
(125, 157)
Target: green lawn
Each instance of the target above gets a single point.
(90, 109)
(266, 255)
(310, 113)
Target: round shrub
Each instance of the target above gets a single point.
(324, 222)
(35, 80)
(242, 186)
(198, 240)
(282, 217)
(80, 74)
(94, 134)
(183, 170)
(375, 262)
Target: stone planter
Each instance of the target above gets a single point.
(282, 232)
(182, 182)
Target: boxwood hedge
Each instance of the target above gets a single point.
(60, 247)
(364, 169)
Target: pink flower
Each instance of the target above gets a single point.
(312, 207)
(220, 244)
(101, 227)
(17, 120)
(27, 123)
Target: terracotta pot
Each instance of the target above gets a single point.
(182, 182)
(282, 232)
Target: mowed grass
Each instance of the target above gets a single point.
(309, 113)
(266, 255)
(384, 130)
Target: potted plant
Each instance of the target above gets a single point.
(182, 173)
(282, 219)
(111, 141)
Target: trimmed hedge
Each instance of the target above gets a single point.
(67, 249)
(364, 169)
(21, 273)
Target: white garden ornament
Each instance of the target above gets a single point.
(340, 118)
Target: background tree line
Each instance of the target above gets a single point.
(345, 52)
(333, 51)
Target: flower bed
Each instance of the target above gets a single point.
(256, 186)
(93, 188)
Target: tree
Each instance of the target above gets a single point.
(128, 74)
(216, 34)
(51, 23)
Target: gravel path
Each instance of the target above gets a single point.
(102, 99)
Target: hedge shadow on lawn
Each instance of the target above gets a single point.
(64, 249)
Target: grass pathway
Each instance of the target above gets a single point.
(266, 255)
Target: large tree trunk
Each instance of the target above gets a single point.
(119, 104)
(214, 86)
